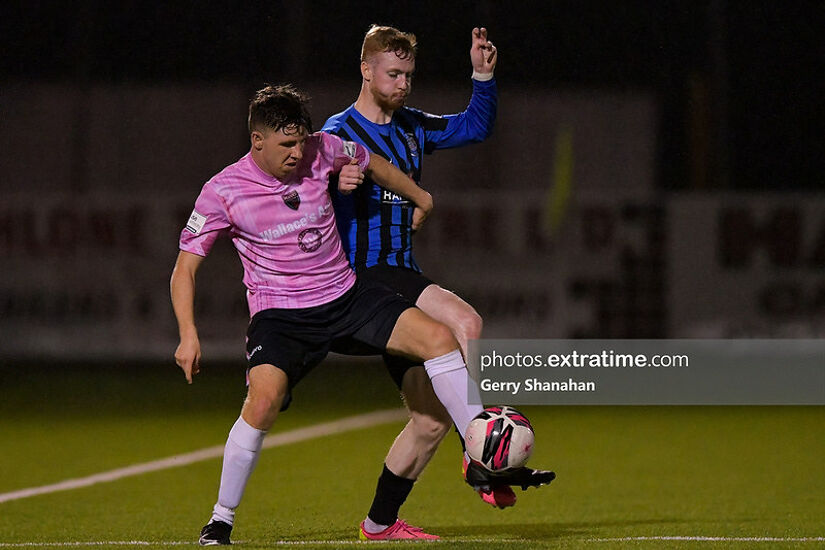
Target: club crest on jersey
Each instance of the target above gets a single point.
(309, 240)
(350, 149)
(292, 199)
(412, 143)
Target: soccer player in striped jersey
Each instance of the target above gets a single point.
(375, 226)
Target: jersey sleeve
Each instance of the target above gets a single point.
(472, 125)
(333, 124)
(208, 221)
(342, 152)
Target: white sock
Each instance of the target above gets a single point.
(454, 388)
(239, 458)
(372, 527)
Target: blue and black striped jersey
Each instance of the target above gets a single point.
(375, 224)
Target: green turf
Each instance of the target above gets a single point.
(622, 471)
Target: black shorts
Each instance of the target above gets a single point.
(296, 340)
(406, 282)
(409, 284)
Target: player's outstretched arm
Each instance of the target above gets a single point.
(391, 178)
(475, 123)
(483, 55)
(182, 289)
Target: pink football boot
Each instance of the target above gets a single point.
(400, 530)
(500, 496)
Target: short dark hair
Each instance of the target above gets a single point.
(276, 107)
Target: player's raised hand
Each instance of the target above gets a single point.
(188, 356)
(350, 177)
(483, 55)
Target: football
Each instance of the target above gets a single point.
(499, 439)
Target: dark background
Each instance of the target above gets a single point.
(696, 126)
(738, 83)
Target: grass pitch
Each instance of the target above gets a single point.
(628, 477)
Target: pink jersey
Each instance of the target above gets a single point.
(284, 231)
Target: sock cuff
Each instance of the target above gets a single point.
(396, 480)
(224, 514)
(245, 436)
(444, 363)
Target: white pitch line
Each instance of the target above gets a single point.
(95, 543)
(710, 539)
(275, 440)
(335, 543)
(351, 542)
(347, 542)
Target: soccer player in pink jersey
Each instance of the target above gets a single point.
(275, 206)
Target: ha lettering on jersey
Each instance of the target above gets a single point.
(392, 198)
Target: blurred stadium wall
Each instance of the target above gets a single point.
(553, 228)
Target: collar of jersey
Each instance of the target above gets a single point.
(262, 177)
(383, 128)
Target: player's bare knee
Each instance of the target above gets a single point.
(470, 324)
(262, 407)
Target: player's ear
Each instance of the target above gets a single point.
(366, 71)
(257, 139)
